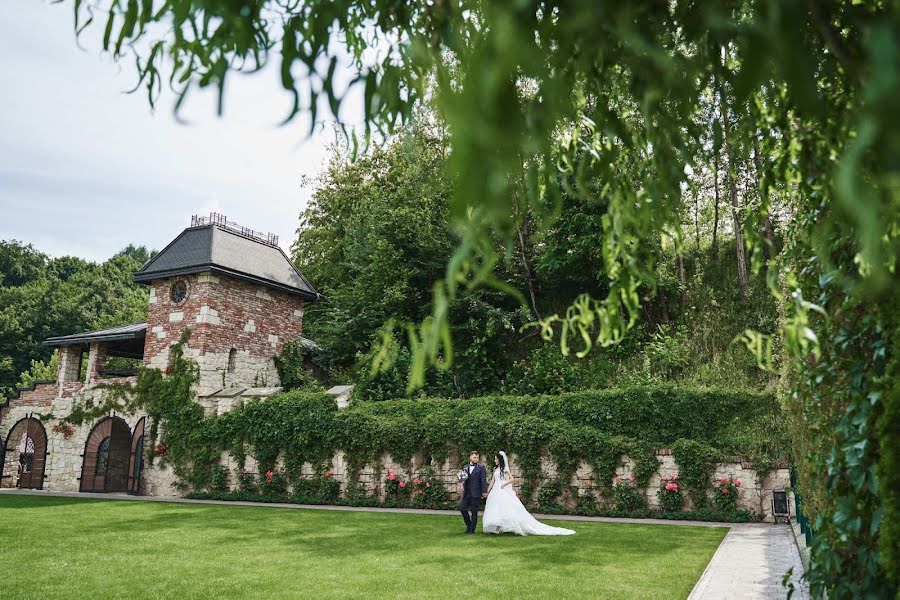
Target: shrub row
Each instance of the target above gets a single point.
(704, 514)
(596, 427)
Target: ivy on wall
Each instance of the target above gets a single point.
(597, 428)
(594, 427)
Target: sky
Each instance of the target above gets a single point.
(86, 169)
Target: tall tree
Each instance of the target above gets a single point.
(731, 175)
(41, 297)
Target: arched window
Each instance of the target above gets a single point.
(103, 457)
(26, 455)
(232, 360)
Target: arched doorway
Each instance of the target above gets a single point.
(136, 464)
(107, 465)
(24, 455)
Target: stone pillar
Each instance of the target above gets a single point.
(68, 366)
(96, 362)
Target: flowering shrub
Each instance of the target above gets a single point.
(726, 493)
(321, 488)
(395, 488)
(273, 484)
(626, 495)
(670, 494)
(65, 429)
(427, 490)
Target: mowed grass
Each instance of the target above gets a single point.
(76, 548)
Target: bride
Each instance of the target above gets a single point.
(505, 513)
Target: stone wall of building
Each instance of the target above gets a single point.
(64, 462)
(236, 329)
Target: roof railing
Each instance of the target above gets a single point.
(222, 221)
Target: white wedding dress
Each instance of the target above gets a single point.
(505, 513)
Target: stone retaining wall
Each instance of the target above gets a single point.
(65, 460)
(754, 495)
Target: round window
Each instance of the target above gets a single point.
(178, 292)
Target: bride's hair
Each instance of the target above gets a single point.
(502, 465)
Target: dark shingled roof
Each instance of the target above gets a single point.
(221, 250)
(121, 332)
(128, 332)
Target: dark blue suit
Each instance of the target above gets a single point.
(473, 488)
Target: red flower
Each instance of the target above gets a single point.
(403, 484)
(159, 449)
(737, 482)
(329, 473)
(725, 490)
(671, 487)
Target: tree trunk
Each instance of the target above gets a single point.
(738, 234)
(715, 242)
(529, 277)
(767, 223)
(735, 205)
(697, 219)
(526, 264)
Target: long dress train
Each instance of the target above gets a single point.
(505, 513)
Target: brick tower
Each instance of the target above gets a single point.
(239, 294)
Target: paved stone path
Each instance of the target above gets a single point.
(749, 563)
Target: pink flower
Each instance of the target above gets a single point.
(671, 487)
(725, 490)
(417, 481)
(631, 479)
(427, 485)
(616, 478)
(391, 477)
(403, 484)
(391, 471)
(420, 492)
(269, 476)
(329, 473)
(737, 482)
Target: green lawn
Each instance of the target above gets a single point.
(74, 548)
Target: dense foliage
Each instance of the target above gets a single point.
(595, 427)
(627, 99)
(377, 234)
(42, 297)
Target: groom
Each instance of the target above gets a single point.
(474, 491)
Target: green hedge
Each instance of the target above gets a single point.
(596, 427)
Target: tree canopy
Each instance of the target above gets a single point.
(41, 297)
